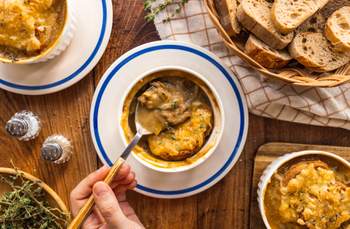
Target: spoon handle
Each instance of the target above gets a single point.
(85, 210)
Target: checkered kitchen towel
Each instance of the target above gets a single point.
(278, 100)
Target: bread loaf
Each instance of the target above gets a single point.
(314, 51)
(227, 10)
(337, 29)
(287, 15)
(264, 55)
(255, 16)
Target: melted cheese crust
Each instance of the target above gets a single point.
(186, 139)
(315, 199)
(27, 25)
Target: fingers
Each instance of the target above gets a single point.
(132, 185)
(108, 205)
(129, 212)
(123, 172)
(122, 186)
(121, 189)
(84, 189)
(92, 221)
(128, 179)
(97, 213)
(127, 209)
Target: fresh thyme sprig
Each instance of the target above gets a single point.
(154, 10)
(26, 206)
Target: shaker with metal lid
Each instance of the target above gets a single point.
(56, 149)
(24, 125)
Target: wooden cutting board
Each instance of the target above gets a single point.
(269, 152)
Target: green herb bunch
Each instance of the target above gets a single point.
(154, 9)
(26, 206)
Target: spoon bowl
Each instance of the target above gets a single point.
(146, 122)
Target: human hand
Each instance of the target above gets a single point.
(111, 210)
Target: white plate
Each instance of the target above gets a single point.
(107, 105)
(94, 25)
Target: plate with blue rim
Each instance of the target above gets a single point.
(108, 102)
(87, 47)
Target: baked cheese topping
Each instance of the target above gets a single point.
(316, 199)
(185, 139)
(28, 25)
(179, 114)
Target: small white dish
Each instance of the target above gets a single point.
(218, 112)
(108, 100)
(71, 65)
(276, 164)
(64, 39)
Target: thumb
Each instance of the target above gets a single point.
(108, 205)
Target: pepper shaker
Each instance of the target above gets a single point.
(56, 149)
(24, 125)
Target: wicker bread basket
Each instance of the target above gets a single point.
(294, 75)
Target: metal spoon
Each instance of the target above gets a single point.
(143, 128)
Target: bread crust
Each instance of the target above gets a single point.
(227, 13)
(265, 56)
(303, 59)
(333, 27)
(331, 59)
(332, 6)
(292, 17)
(273, 38)
(315, 24)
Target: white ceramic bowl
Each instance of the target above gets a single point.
(214, 138)
(276, 164)
(61, 43)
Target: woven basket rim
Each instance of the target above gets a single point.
(290, 75)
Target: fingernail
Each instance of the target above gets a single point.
(100, 189)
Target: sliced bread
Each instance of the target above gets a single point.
(255, 16)
(315, 24)
(314, 51)
(287, 15)
(264, 55)
(337, 29)
(227, 10)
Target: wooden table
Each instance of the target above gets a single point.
(226, 205)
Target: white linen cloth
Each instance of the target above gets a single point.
(272, 99)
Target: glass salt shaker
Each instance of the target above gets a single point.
(24, 125)
(56, 149)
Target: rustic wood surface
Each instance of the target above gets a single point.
(226, 205)
(268, 153)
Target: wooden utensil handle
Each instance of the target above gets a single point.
(85, 210)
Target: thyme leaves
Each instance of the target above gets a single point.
(154, 9)
(26, 206)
